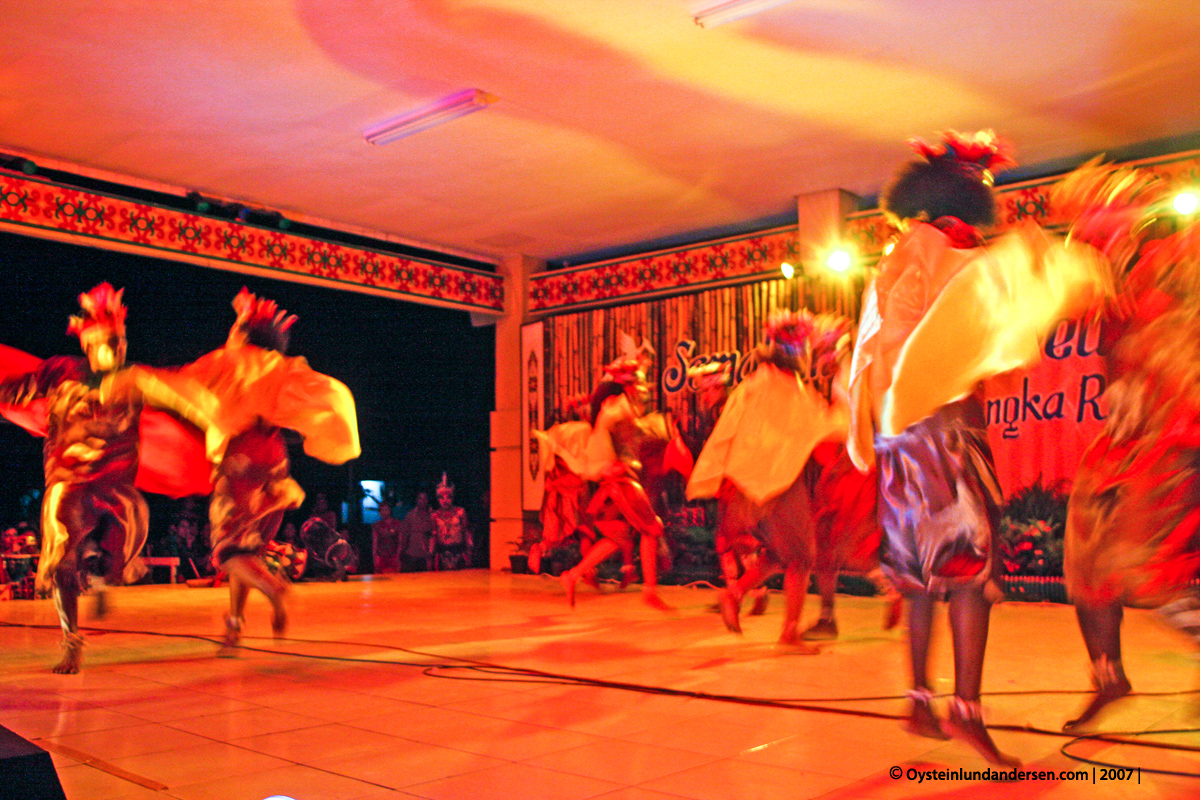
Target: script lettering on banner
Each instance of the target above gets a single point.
(1041, 419)
(675, 376)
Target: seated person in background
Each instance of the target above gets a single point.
(287, 534)
(8, 542)
(322, 511)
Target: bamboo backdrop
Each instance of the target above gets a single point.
(717, 320)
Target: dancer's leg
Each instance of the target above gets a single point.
(729, 599)
(1101, 629)
(239, 590)
(595, 554)
(921, 718)
(795, 584)
(920, 634)
(893, 601)
(729, 567)
(252, 573)
(970, 615)
(66, 602)
(826, 626)
(970, 612)
(649, 553)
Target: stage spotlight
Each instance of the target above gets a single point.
(1186, 203)
(18, 164)
(839, 260)
(787, 269)
(202, 203)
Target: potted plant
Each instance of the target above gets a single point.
(518, 560)
(1032, 526)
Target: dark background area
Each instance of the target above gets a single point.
(422, 377)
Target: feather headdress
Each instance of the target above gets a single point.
(102, 308)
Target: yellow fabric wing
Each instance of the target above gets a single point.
(989, 319)
(765, 436)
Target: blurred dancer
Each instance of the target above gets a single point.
(261, 392)
(565, 496)
(760, 460)
(91, 409)
(1133, 522)
(713, 384)
(624, 444)
(944, 313)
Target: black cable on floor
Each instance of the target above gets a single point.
(530, 675)
(1114, 738)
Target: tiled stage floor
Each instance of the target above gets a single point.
(157, 716)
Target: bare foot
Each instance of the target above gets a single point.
(965, 723)
(823, 630)
(627, 573)
(233, 635)
(654, 601)
(1100, 700)
(568, 581)
(761, 598)
(729, 611)
(791, 640)
(922, 721)
(71, 661)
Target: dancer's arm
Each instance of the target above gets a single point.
(179, 394)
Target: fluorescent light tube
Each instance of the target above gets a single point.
(730, 10)
(443, 110)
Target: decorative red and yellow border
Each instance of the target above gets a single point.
(738, 259)
(1031, 200)
(758, 256)
(42, 208)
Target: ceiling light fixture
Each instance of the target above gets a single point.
(720, 13)
(443, 110)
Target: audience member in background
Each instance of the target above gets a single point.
(415, 533)
(287, 534)
(191, 545)
(385, 540)
(451, 545)
(323, 512)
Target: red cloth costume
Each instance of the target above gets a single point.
(90, 412)
(775, 435)
(620, 507)
(1133, 527)
(262, 391)
(565, 493)
(101, 446)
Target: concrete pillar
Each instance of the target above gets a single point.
(819, 216)
(508, 451)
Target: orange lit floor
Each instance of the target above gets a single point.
(158, 716)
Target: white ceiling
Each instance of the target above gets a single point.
(617, 121)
